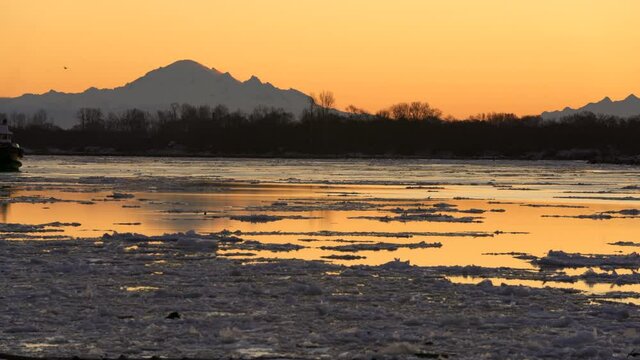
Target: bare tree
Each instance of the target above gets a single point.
(399, 111)
(135, 121)
(175, 107)
(356, 110)
(325, 100)
(384, 113)
(17, 120)
(113, 123)
(494, 117)
(90, 119)
(39, 119)
(414, 111)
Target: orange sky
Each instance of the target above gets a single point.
(463, 56)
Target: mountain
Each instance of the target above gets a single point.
(184, 81)
(622, 108)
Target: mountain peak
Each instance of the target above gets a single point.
(186, 67)
(186, 64)
(253, 80)
(628, 107)
(182, 82)
(177, 73)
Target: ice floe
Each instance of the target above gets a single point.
(561, 259)
(83, 298)
(381, 246)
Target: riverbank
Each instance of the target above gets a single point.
(591, 156)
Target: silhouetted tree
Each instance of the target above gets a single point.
(90, 119)
(39, 118)
(134, 121)
(325, 101)
(408, 129)
(357, 112)
(412, 111)
(17, 120)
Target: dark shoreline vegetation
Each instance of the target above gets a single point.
(403, 131)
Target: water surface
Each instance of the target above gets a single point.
(516, 206)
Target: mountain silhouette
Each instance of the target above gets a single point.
(628, 107)
(183, 81)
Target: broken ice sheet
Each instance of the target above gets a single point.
(374, 308)
(381, 246)
(225, 307)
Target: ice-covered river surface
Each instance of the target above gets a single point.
(95, 252)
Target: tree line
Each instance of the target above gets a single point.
(406, 129)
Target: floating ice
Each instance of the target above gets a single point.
(70, 300)
(561, 259)
(381, 246)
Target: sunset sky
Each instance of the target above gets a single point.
(462, 56)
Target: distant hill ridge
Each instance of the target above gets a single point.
(628, 107)
(183, 81)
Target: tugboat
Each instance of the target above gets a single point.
(10, 152)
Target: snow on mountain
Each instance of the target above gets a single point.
(623, 108)
(183, 81)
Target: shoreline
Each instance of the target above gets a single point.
(622, 160)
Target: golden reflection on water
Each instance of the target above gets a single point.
(162, 212)
(589, 288)
(140, 288)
